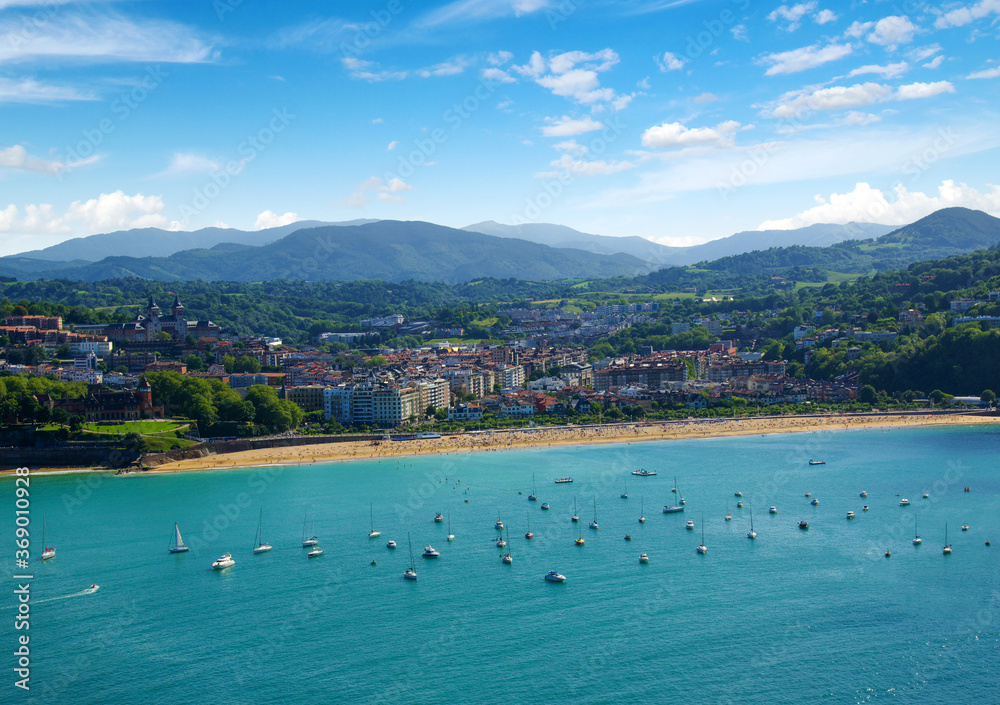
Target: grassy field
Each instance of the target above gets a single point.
(140, 427)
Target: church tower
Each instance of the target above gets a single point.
(178, 307)
(152, 310)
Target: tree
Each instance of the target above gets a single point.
(195, 363)
(247, 363)
(867, 394)
(429, 411)
(162, 337)
(936, 396)
(988, 396)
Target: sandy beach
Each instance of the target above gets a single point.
(498, 441)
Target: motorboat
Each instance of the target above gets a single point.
(904, 502)
(690, 525)
(863, 494)
(729, 517)
(564, 480)
(644, 473)
(643, 558)
(391, 544)
(803, 524)
(965, 527)
(738, 494)
(554, 577)
(815, 501)
(628, 537)
(864, 508)
(545, 506)
(739, 505)
(439, 517)
(926, 495)
(315, 553)
(430, 552)
(223, 561)
(772, 510)
(850, 515)
(817, 462)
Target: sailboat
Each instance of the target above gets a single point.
(947, 546)
(593, 524)
(642, 516)
(674, 508)
(751, 534)
(47, 552)
(579, 539)
(916, 537)
(702, 548)
(507, 558)
(575, 517)
(528, 535)
(532, 497)
(624, 495)
(259, 545)
(312, 540)
(410, 573)
(178, 546)
(451, 536)
(371, 532)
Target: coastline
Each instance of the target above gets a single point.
(497, 441)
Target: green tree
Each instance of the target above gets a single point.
(867, 394)
(988, 396)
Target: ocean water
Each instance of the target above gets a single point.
(795, 616)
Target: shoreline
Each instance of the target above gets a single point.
(539, 437)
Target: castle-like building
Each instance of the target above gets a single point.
(147, 327)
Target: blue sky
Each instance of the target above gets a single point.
(680, 121)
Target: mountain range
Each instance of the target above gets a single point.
(402, 250)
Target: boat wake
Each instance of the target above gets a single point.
(88, 591)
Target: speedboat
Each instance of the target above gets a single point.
(926, 495)
(739, 494)
(643, 558)
(690, 525)
(965, 527)
(429, 552)
(904, 502)
(815, 501)
(817, 462)
(888, 554)
(563, 480)
(850, 515)
(863, 493)
(803, 524)
(644, 473)
(554, 577)
(772, 510)
(311, 541)
(316, 552)
(739, 505)
(628, 537)
(223, 561)
(864, 508)
(729, 517)
(439, 517)
(545, 506)
(391, 544)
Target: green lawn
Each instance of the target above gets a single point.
(141, 427)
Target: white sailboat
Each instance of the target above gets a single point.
(624, 495)
(410, 573)
(916, 537)
(178, 546)
(47, 552)
(575, 517)
(702, 548)
(947, 546)
(312, 540)
(674, 508)
(532, 497)
(259, 545)
(507, 558)
(371, 532)
(642, 515)
(593, 524)
(750, 534)
(528, 535)
(451, 536)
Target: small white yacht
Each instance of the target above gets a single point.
(850, 515)
(863, 493)
(260, 545)
(430, 552)
(315, 552)
(554, 577)
(311, 541)
(545, 506)
(372, 534)
(643, 558)
(391, 544)
(738, 494)
(499, 525)
(772, 510)
(729, 517)
(48, 553)
(410, 574)
(815, 501)
(501, 543)
(507, 558)
(223, 561)
(439, 517)
(690, 525)
(904, 502)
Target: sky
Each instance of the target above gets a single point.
(680, 121)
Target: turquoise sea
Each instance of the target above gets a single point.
(795, 616)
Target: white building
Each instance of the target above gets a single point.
(510, 376)
(83, 348)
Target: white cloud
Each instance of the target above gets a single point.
(674, 134)
(857, 118)
(570, 127)
(986, 73)
(644, 84)
(571, 146)
(499, 58)
(867, 204)
(452, 67)
(269, 219)
(921, 53)
(370, 71)
(888, 71)
(825, 16)
(377, 121)
(802, 59)
(858, 29)
(28, 90)
(598, 167)
(965, 15)
(669, 62)
(392, 145)
(705, 98)
(107, 212)
(498, 75)
(892, 31)
(95, 38)
(17, 157)
(924, 90)
(383, 190)
(935, 62)
(182, 163)
(739, 33)
(792, 14)
(480, 10)
(572, 74)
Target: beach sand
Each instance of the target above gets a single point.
(498, 441)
